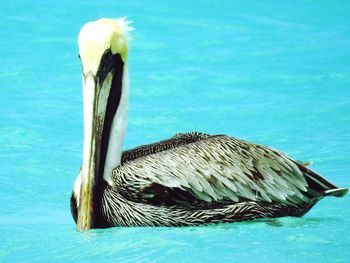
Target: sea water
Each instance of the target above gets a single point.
(271, 72)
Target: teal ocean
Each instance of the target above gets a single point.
(272, 72)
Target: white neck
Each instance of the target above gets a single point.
(118, 129)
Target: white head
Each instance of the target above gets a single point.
(96, 37)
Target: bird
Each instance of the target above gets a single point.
(189, 179)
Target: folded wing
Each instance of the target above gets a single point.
(213, 169)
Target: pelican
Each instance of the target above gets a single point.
(189, 179)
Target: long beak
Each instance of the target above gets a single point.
(102, 95)
(103, 49)
(93, 125)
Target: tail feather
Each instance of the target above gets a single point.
(339, 192)
(320, 186)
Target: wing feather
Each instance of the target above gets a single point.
(217, 168)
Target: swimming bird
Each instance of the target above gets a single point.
(189, 179)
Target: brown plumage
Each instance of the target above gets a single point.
(196, 178)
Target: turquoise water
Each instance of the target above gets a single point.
(276, 73)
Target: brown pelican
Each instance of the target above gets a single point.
(189, 179)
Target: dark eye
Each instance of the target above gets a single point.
(79, 56)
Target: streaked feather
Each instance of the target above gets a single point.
(250, 176)
(195, 178)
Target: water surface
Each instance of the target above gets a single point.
(276, 73)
